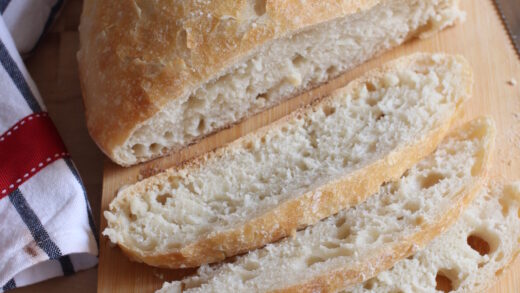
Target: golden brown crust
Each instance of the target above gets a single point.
(303, 210)
(136, 56)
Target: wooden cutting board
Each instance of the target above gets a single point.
(481, 39)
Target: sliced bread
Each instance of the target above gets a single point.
(157, 76)
(466, 258)
(307, 166)
(356, 244)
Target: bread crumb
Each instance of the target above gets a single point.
(158, 274)
(512, 82)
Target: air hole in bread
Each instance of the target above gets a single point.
(340, 221)
(505, 206)
(162, 198)
(370, 86)
(191, 188)
(260, 7)
(262, 97)
(443, 283)
(313, 140)
(332, 71)
(369, 285)
(499, 272)
(343, 233)
(298, 60)
(249, 90)
(138, 149)
(380, 116)
(173, 181)
(247, 277)
(419, 220)
(328, 110)
(372, 102)
(373, 147)
(412, 206)
(478, 244)
(302, 166)
(431, 180)
(248, 145)
(168, 135)
(251, 266)
(201, 125)
(156, 148)
(314, 260)
(331, 245)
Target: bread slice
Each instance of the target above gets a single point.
(356, 244)
(303, 168)
(466, 258)
(158, 76)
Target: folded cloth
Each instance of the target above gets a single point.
(26, 20)
(46, 226)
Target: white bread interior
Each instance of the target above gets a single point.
(282, 68)
(356, 244)
(295, 172)
(469, 257)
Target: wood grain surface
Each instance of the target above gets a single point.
(481, 39)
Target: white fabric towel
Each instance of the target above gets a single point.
(28, 19)
(46, 226)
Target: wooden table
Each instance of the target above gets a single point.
(54, 69)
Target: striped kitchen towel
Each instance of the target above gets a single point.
(46, 226)
(27, 20)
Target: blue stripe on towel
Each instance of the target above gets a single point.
(3, 5)
(9, 285)
(18, 79)
(40, 235)
(50, 19)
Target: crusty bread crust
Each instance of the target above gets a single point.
(132, 63)
(303, 210)
(139, 59)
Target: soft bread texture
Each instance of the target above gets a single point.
(355, 244)
(159, 75)
(306, 167)
(468, 257)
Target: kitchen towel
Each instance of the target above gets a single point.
(27, 20)
(46, 226)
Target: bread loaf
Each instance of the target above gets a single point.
(356, 244)
(291, 174)
(159, 75)
(468, 257)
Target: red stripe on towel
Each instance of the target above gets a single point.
(26, 148)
